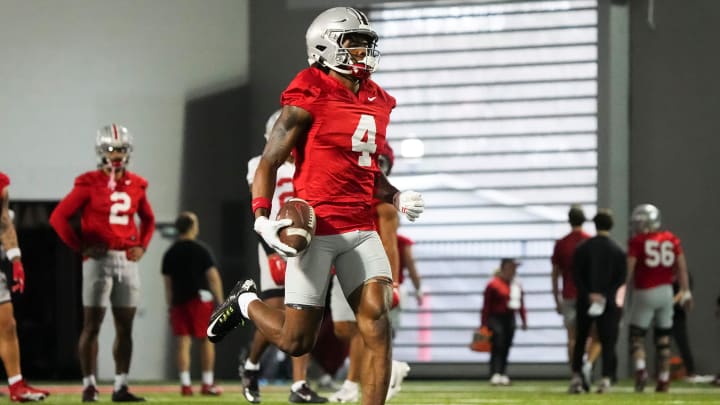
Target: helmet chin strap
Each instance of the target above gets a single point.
(108, 164)
(111, 182)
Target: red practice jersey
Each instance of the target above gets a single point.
(656, 254)
(107, 216)
(4, 181)
(336, 163)
(563, 257)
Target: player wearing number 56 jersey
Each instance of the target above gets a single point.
(654, 256)
(334, 118)
(108, 201)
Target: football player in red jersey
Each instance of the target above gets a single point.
(565, 301)
(654, 256)
(333, 117)
(9, 345)
(272, 290)
(108, 199)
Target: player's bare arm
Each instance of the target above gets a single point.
(290, 127)
(215, 284)
(685, 296)
(8, 237)
(631, 262)
(555, 289)
(167, 282)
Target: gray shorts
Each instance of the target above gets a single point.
(339, 307)
(568, 312)
(112, 278)
(358, 256)
(652, 303)
(4, 289)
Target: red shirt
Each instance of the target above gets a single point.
(402, 242)
(107, 216)
(562, 257)
(4, 181)
(496, 299)
(656, 254)
(336, 162)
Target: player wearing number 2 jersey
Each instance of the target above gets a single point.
(334, 118)
(108, 199)
(654, 256)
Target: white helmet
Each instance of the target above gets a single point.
(271, 123)
(110, 138)
(645, 218)
(325, 36)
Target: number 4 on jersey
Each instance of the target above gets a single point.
(365, 144)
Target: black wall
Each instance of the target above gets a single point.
(215, 156)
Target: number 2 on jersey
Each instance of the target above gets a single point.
(121, 203)
(364, 145)
(659, 253)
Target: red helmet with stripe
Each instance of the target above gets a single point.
(113, 138)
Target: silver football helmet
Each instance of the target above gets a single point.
(645, 218)
(113, 138)
(271, 123)
(325, 37)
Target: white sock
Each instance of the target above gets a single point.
(640, 364)
(120, 380)
(12, 380)
(297, 385)
(89, 380)
(606, 381)
(244, 301)
(351, 385)
(249, 365)
(207, 377)
(185, 378)
(664, 376)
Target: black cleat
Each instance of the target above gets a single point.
(90, 394)
(123, 395)
(305, 395)
(641, 378)
(251, 389)
(228, 316)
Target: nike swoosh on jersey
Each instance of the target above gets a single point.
(372, 98)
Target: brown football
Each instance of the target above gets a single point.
(299, 234)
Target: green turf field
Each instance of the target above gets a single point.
(438, 392)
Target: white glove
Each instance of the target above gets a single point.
(269, 231)
(409, 203)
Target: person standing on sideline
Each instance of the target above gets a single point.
(192, 287)
(599, 269)
(565, 300)
(20, 391)
(108, 200)
(272, 291)
(503, 300)
(334, 117)
(654, 258)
